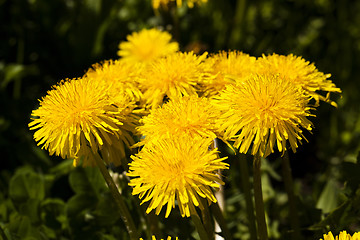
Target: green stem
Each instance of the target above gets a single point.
(237, 31)
(244, 173)
(2, 234)
(208, 224)
(215, 207)
(289, 186)
(124, 212)
(20, 60)
(259, 202)
(217, 213)
(175, 16)
(153, 222)
(198, 224)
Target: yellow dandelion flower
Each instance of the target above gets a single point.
(262, 111)
(173, 76)
(122, 75)
(226, 67)
(168, 238)
(356, 236)
(179, 168)
(190, 3)
(342, 236)
(190, 115)
(77, 118)
(302, 73)
(147, 45)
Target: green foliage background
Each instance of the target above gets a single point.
(43, 41)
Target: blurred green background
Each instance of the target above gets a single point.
(42, 42)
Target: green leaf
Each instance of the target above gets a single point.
(350, 175)
(5, 232)
(334, 217)
(22, 227)
(80, 203)
(105, 212)
(26, 184)
(87, 180)
(4, 211)
(63, 168)
(48, 232)
(328, 199)
(31, 209)
(78, 211)
(53, 213)
(14, 71)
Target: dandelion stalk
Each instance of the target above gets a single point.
(289, 186)
(198, 224)
(244, 173)
(217, 213)
(153, 223)
(207, 220)
(237, 33)
(124, 212)
(259, 202)
(2, 234)
(219, 205)
(175, 16)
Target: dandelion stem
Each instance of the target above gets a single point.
(198, 224)
(289, 186)
(2, 234)
(175, 17)
(153, 222)
(217, 213)
(207, 220)
(124, 212)
(244, 173)
(237, 29)
(259, 202)
(217, 208)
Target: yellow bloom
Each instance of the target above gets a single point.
(228, 66)
(262, 111)
(342, 236)
(181, 168)
(78, 118)
(122, 75)
(156, 3)
(168, 238)
(301, 73)
(191, 115)
(147, 45)
(173, 76)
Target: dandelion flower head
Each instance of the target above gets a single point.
(168, 238)
(173, 76)
(147, 45)
(302, 73)
(189, 115)
(122, 75)
(180, 168)
(342, 236)
(228, 67)
(190, 3)
(77, 118)
(263, 111)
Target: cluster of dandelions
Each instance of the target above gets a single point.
(177, 103)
